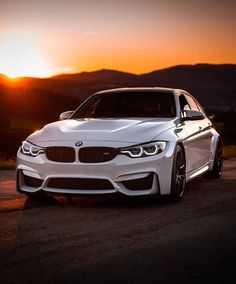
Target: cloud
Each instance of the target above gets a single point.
(90, 33)
(65, 70)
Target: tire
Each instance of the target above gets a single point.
(178, 179)
(218, 163)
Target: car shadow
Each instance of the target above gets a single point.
(104, 201)
(41, 201)
(118, 201)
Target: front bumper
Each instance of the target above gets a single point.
(132, 177)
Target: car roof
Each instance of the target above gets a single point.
(141, 89)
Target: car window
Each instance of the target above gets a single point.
(200, 107)
(184, 105)
(192, 103)
(128, 104)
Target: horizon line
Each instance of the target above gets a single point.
(112, 70)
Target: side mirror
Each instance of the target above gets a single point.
(65, 115)
(192, 115)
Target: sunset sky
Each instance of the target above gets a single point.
(46, 37)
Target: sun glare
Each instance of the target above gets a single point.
(20, 57)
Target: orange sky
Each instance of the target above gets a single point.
(41, 38)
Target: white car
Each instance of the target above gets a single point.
(135, 141)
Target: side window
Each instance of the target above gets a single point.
(184, 105)
(200, 107)
(192, 103)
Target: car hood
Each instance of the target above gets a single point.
(123, 130)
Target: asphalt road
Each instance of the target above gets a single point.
(118, 239)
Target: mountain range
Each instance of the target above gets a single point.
(212, 85)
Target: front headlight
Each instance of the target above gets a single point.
(144, 150)
(30, 149)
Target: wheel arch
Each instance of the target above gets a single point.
(174, 195)
(213, 147)
(181, 144)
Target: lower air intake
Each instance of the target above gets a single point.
(139, 184)
(80, 184)
(31, 181)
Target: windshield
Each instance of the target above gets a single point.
(130, 104)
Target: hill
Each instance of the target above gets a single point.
(213, 85)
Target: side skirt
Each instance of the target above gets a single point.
(196, 173)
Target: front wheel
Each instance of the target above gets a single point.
(178, 179)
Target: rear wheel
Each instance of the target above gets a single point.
(178, 180)
(218, 163)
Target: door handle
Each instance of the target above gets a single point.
(200, 128)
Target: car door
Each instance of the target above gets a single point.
(198, 137)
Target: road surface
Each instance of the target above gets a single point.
(118, 239)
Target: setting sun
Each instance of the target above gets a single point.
(20, 57)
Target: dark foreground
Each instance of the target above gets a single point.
(120, 240)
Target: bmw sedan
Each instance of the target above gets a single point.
(135, 141)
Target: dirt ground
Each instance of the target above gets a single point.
(117, 239)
